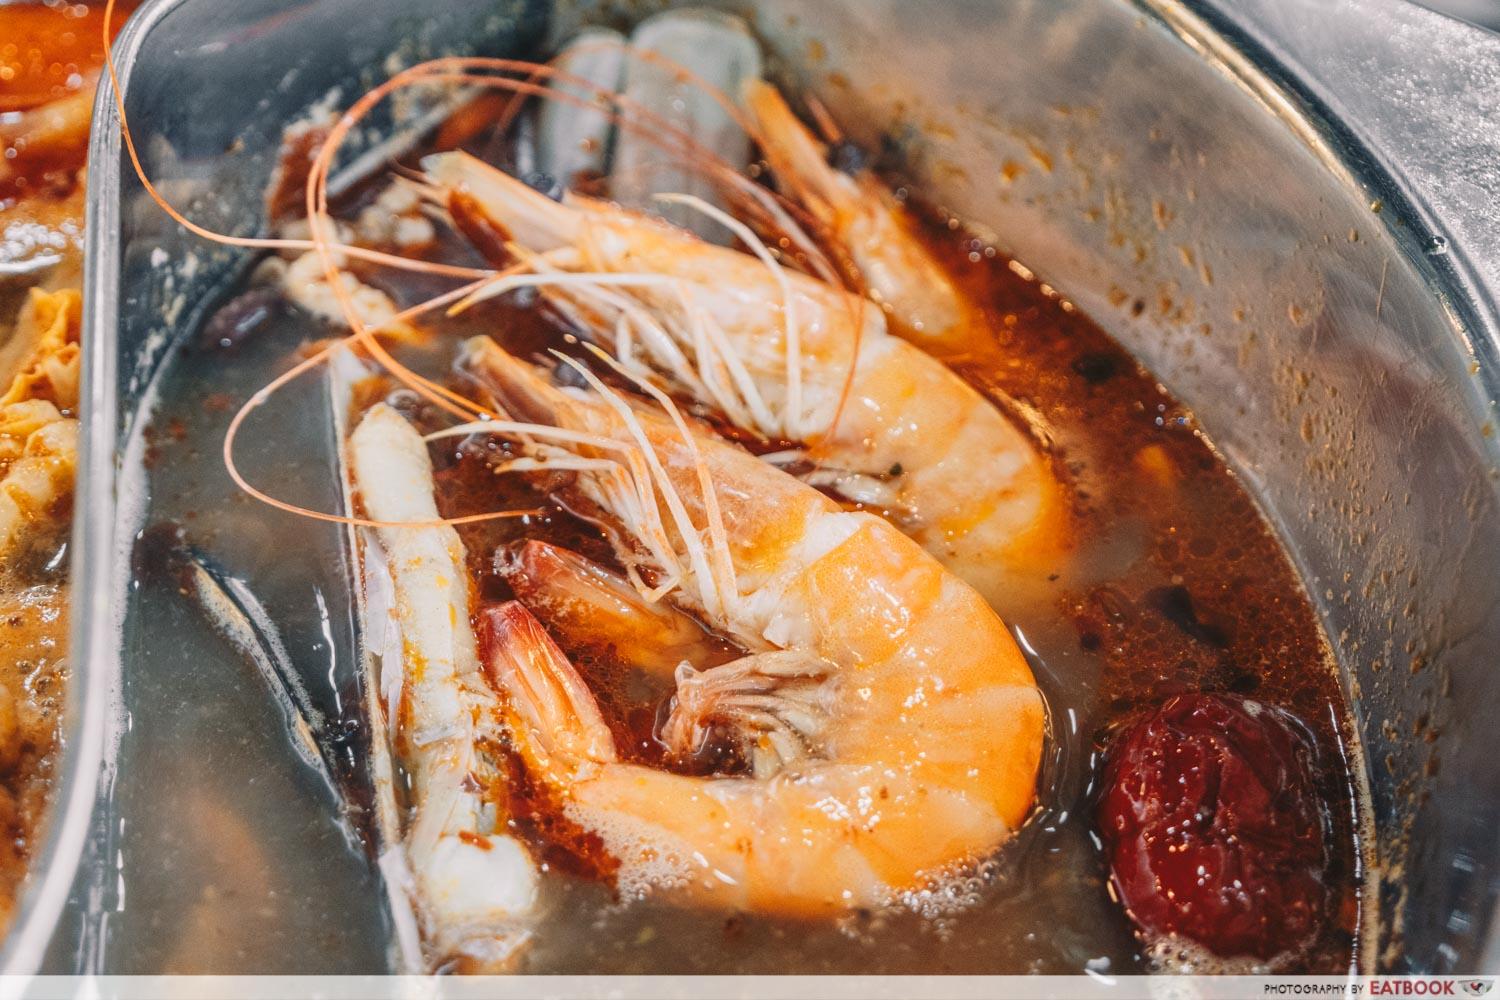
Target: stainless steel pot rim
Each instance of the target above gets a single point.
(92, 703)
(1242, 58)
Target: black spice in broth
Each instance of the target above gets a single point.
(1174, 583)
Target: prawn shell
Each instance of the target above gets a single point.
(928, 726)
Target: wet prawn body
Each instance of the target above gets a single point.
(472, 885)
(904, 739)
(862, 214)
(789, 357)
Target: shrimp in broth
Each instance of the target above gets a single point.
(475, 884)
(787, 357)
(710, 565)
(924, 304)
(892, 728)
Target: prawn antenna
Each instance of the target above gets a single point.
(713, 514)
(525, 81)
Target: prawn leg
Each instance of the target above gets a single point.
(771, 705)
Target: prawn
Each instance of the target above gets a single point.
(475, 886)
(891, 726)
(306, 283)
(788, 357)
(864, 217)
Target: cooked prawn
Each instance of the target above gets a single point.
(862, 214)
(891, 725)
(474, 885)
(788, 357)
(306, 283)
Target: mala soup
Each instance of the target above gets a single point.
(50, 58)
(1163, 582)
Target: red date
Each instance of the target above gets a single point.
(1214, 829)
